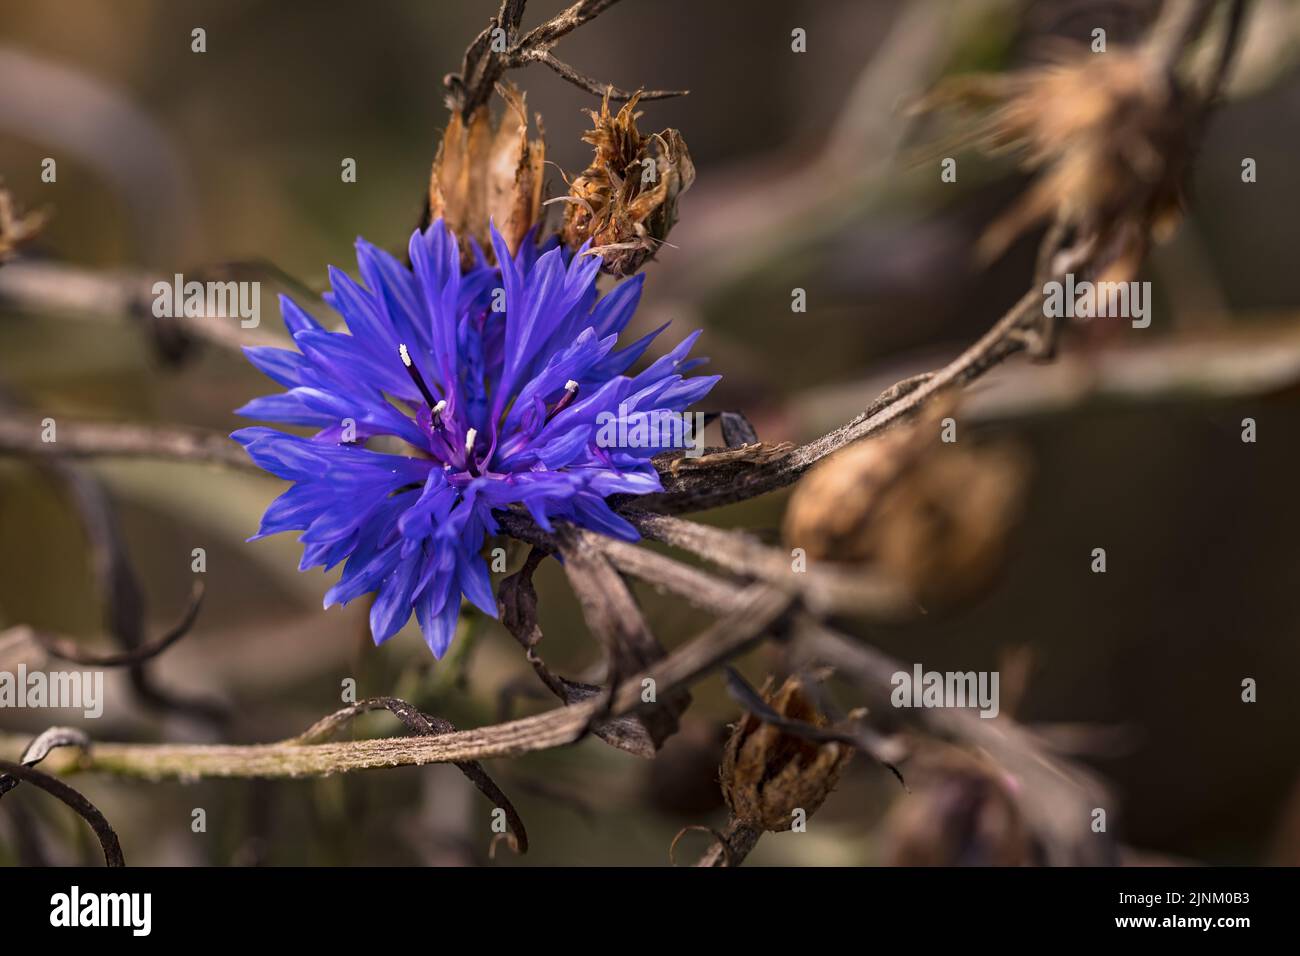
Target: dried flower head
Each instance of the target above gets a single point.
(487, 175)
(625, 202)
(768, 773)
(932, 515)
(489, 409)
(1108, 136)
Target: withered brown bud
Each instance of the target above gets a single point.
(1108, 135)
(625, 202)
(489, 173)
(767, 773)
(932, 515)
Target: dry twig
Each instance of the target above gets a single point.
(484, 64)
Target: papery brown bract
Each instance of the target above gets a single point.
(489, 172)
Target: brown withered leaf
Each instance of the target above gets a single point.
(932, 515)
(488, 172)
(625, 202)
(768, 773)
(1108, 136)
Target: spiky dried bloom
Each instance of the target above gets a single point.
(1109, 137)
(933, 516)
(489, 173)
(625, 202)
(768, 773)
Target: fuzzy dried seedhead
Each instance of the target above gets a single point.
(488, 172)
(1109, 138)
(933, 516)
(625, 202)
(768, 773)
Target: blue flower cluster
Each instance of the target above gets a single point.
(495, 378)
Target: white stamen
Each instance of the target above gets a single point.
(440, 407)
(406, 356)
(469, 441)
(570, 386)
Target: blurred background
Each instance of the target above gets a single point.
(172, 161)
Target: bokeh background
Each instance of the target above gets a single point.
(171, 161)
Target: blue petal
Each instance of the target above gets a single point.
(295, 319)
(283, 366)
(472, 573)
(438, 615)
(392, 607)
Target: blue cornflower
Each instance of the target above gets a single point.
(497, 406)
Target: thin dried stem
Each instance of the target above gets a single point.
(422, 724)
(823, 589)
(700, 489)
(78, 439)
(69, 291)
(1179, 24)
(731, 846)
(68, 649)
(754, 612)
(593, 86)
(483, 64)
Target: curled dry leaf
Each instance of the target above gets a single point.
(625, 202)
(932, 515)
(768, 773)
(40, 748)
(489, 172)
(1109, 137)
(85, 809)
